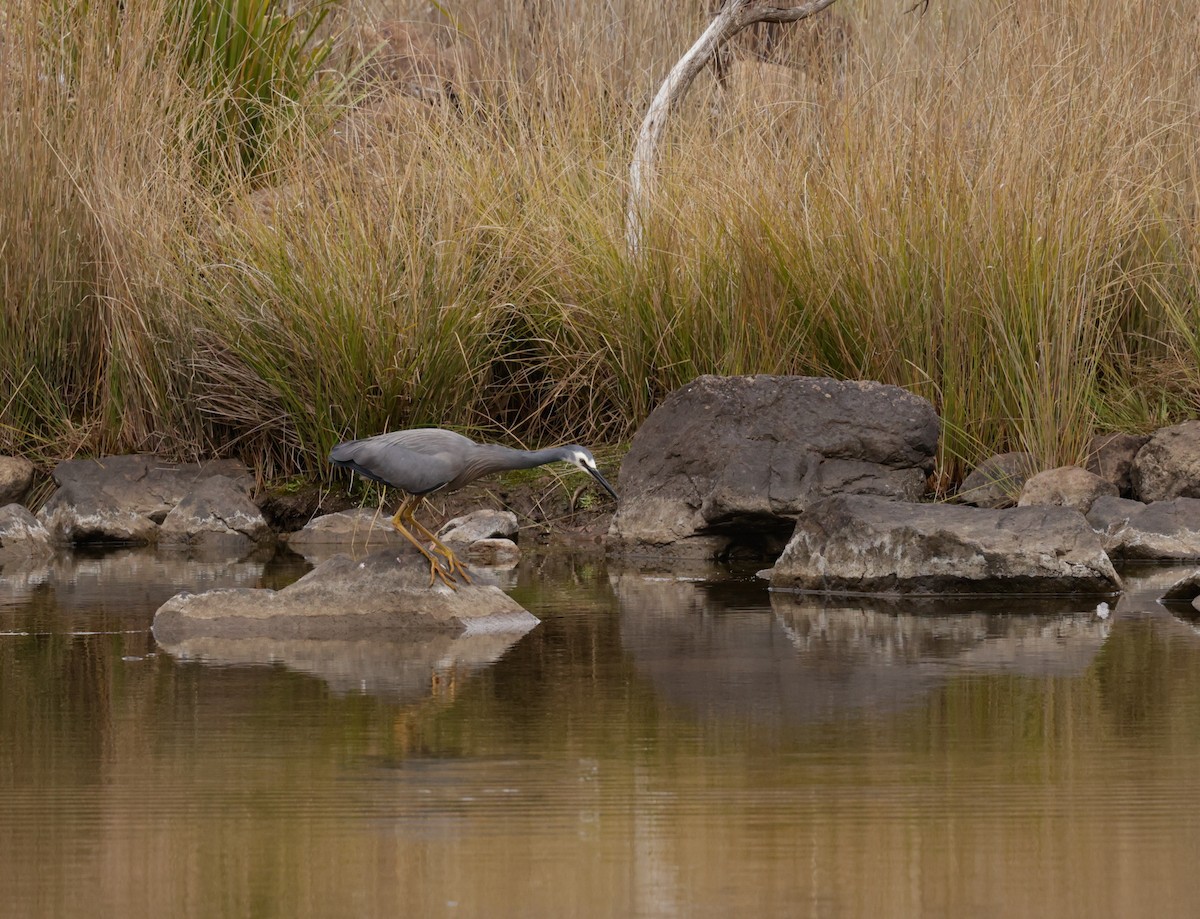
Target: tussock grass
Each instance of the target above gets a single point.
(993, 205)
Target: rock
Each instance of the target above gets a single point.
(729, 462)
(494, 552)
(478, 525)
(21, 533)
(1166, 530)
(1066, 486)
(123, 498)
(1168, 466)
(1185, 590)
(361, 527)
(290, 508)
(216, 514)
(1110, 456)
(380, 597)
(865, 544)
(997, 481)
(16, 476)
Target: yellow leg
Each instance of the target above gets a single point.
(456, 567)
(404, 514)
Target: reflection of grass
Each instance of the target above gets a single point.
(991, 210)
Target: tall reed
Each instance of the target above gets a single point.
(992, 204)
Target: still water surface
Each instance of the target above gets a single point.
(658, 746)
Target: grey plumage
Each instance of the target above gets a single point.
(420, 461)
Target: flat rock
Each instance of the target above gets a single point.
(1168, 466)
(21, 533)
(16, 476)
(997, 481)
(479, 525)
(378, 597)
(360, 527)
(726, 463)
(864, 544)
(216, 513)
(1165, 530)
(1110, 456)
(1066, 486)
(123, 499)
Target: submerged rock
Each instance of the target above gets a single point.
(729, 462)
(862, 544)
(381, 597)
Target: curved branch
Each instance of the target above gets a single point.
(735, 16)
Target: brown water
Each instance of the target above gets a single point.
(656, 747)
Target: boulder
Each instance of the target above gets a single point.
(728, 463)
(380, 597)
(502, 553)
(997, 481)
(865, 544)
(21, 533)
(123, 498)
(1066, 486)
(477, 525)
(1110, 456)
(1184, 590)
(218, 513)
(16, 476)
(1165, 530)
(1168, 465)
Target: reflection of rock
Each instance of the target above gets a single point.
(807, 659)
(988, 641)
(865, 544)
(341, 598)
(123, 582)
(406, 671)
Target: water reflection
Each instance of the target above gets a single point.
(655, 748)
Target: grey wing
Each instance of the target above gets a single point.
(418, 461)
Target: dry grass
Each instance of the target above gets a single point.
(992, 204)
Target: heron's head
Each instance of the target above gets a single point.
(582, 457)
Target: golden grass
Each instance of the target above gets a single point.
(992, 205)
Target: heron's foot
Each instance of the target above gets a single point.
(453, 565)
(437, 571)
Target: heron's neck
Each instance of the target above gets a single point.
(496, 458)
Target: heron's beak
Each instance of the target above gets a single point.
(595, 473)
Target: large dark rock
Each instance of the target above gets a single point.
(729, 462)
(16, 476)
(381, 597)
(863, 544)
(1164, 530)
(218, 513)
(1168, 466)
(123, 499)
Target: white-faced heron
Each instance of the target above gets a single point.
(422, 461)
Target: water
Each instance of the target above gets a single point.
(657, 747)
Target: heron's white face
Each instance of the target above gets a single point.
(584, 460)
